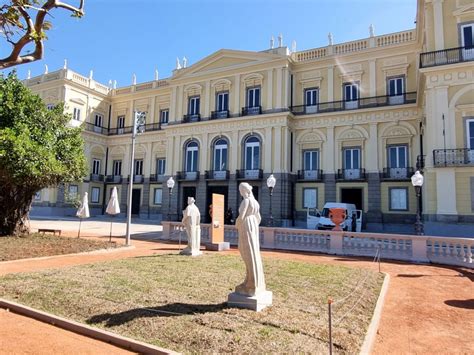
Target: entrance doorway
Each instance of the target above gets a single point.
(188, 191)
(221, 190)
(136, 197)
(353, 195)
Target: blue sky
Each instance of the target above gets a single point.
(117, 38)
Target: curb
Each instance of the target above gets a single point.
(79, 328)
(92, 252)
(371, 334)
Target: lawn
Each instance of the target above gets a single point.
(36, 245)
(178, 302)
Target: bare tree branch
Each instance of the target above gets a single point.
(34, 32)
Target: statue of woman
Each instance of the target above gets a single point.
(249, 245)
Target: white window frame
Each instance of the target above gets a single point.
(396, 149)
(157, 196)
(467, 53)
(98, 120)
(194, 157)
(138, 167)
(76, 114)
(164, 116)
(220, 151)
(160, 166)
(96, 166)
(194, 105)
(252, 145)
(310, 197)
(73, 191)
(95, 194)
(252, 102)
(117, 167)
(220, 102)
(351, 102)
(395, 98)
(313, 162)
(37, 196)
(311, 106)
(399, 200)
(352, 149)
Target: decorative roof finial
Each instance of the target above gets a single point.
(272, 42)
(185, 62)
(178, 65)
(28, 76)
(134, 79)
(65, 64)
(115, 84)
(280, 40)
(157, 77)
(330, 39)
(91, 74)
(371, 30)
(46, 69)
(293, 46)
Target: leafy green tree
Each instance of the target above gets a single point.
(23, 26)
(37, 149)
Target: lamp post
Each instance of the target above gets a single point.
(271, 181)
(138, 127)
(170, 183)
(417, 182)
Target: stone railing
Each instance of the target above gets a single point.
(418, 249)
(391, 39)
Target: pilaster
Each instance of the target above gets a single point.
(269, 103)
(330, 88)
(438, 24)
(237, 95)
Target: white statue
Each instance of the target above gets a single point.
(157, 77)
(91, 74)
(46, 69)
(191, 221)
(330, 39)
(280, 40)
(249, 244)
(178, 65)
(134, 79)
(29, 74)
(65, 64)
(371, 30)
(293, 46)
(185, 62)
(272, 42)
(417, 179)
(115, 84)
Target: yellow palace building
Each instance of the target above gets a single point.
(348, 122)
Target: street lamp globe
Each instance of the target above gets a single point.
(271, 182)
(417, 182)
(170, 183)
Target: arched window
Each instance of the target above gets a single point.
(191, 163)
(220, 155)
(252, 153)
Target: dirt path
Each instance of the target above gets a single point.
(428, 309)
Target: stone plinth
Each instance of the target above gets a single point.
(218, 246)
(255, 303)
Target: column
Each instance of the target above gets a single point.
(234, 164)
(269, 103)
(372, 150)
(328, 166)
(438, 24)
(374, 213)
(179, 103)
(286, 81)
(207, 99)
(278, 157)
(173, 104)
(279, 87)
(372, 78)
(268, 162)
(203, 154)
(169, 156)
(151, 114)
(237, 95)
(330, 88)
(177, 161)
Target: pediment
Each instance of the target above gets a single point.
(77, 100)
(464, 10)
(225, 59)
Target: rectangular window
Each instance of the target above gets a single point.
(164, 116)
(96, 167)
(310, 198)
(138, 167)
(311, 160)
(160, 166)
(76, 114)
(253, 97)
(351, 95)
(117, 168)
(158, 196)
(73, 191)
(396, 90)
(95, 194)
(398, 198)
(222, 101)
(98, 120)
(120, 121)
(193, 108)
(351, 158)
(470, 139)
(38, 195)
(311, 97)
(397, 156)
(467, 41)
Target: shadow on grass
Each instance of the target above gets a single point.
(169, 310)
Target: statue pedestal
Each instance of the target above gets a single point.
(189, 252)
(218, 246)
(255, 303)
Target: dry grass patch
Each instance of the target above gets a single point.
(179, 302)
(36, 245)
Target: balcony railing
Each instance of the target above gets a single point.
(397, 173)
(247, 111)
(217, 175)
(362, 103)
(97, 129)
(96, 177)
(215, 115)
(453, 157)
(254, 174)
(310, 175)
(137, 179)
(187, 175)
(351, 174)
(119, 130)
(115, 179)
(446, 56)
(192, 117)
(157, 177)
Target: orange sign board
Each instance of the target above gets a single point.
(217, 230)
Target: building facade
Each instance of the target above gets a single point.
(348, 122)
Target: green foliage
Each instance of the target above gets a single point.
(36, 145)
(37, 148)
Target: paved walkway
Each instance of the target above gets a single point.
(428, 309)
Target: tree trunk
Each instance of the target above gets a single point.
(16, 203)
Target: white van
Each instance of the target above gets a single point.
(321, 221)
